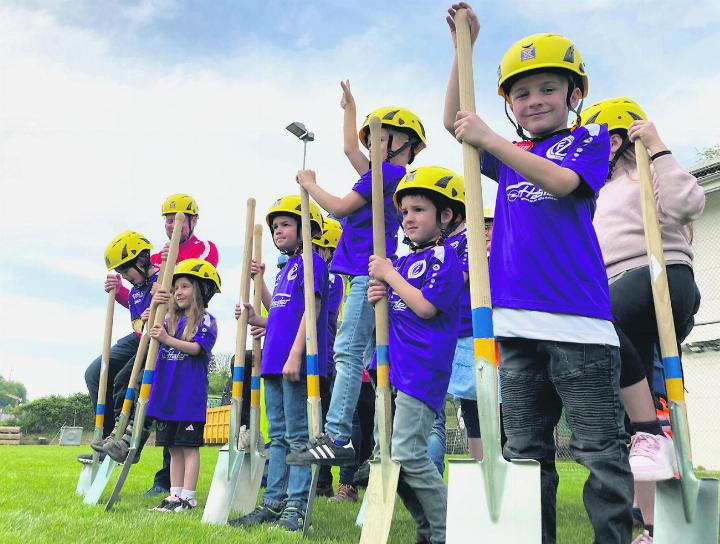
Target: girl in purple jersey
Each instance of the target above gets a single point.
(178, 398)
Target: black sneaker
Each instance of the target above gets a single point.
(291, 519)
(362, 475)
(322, 451)
(86, 458)
(156, 490)
(325, 490)
(261, 514)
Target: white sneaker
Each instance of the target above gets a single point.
(652, 457)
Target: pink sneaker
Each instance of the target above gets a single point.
(652, 458)
(643, 538)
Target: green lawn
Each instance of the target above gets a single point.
(37, 504)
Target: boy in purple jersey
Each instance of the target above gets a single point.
(550, 297)
(423, 291)
(403, 136)
(178, 397)
(284, 367)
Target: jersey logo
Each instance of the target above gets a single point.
(292, 273)
(526, 145)
(593, 129)
(416, 270)
(559, 149)
(526, 192)
(439, 253)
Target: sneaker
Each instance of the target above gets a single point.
(362, 475)
(643, 538)
(322, 450)
(185, 504)
(87, 458)
(345, 493)
(99, 445)
(156, 490)
(261, 514)
(291, 519)
(652, 457)
(325, 491)
(168, 504)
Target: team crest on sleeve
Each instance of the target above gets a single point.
(559, 149)
(439, 253)
(416, 270)
(593, 129)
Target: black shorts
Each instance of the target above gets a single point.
(470, 417)
(187, 434)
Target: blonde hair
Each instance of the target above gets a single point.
(193, 314)
(325, 252)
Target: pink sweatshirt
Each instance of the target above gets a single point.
(618, 219)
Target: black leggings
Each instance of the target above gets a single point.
(634, 316)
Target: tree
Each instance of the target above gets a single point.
(711, 153)
(48, 414)
(11, 393)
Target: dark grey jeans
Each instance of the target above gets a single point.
(539, 377)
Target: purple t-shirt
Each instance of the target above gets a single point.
(420, 350)
(545, 253)
(356, 241)
(286, 310)
(180, 384)
(459, 243)
(336, 291)
(140, 297)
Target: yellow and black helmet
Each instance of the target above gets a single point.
(290, 205)
(615, 113)
(202, 270)
(332, 229)
(124, 248)
(541, 52)
(180, 203)
(435, 179)
(396, 118)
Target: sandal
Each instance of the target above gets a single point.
(167, 505)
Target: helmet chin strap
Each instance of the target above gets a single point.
(616, 156)
(391, 153)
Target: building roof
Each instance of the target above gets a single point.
(707, 173)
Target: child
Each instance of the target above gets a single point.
(325, 247)
(178, 397)
(403, 136)
(127, 255)
(619, 225)
(423, 291)
(551, 308)
(284, 366)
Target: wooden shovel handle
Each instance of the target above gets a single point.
(257, 305)
(242, 322)
(105, 359)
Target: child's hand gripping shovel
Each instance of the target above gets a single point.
(253, 464)
(150, 360)
(89, 471)
(493, 499)
(686, 510)
(108, 465)
(384, 474)
(224, 494)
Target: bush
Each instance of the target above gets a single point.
(48, 414)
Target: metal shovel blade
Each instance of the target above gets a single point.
(381, 494)
(249, 481)
(85, 479)
(127, 465)
(315, 474)
(102, 477)
(223, 488)
(469, 507)
(671, 523)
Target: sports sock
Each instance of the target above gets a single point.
(187, 494)
(175, 491)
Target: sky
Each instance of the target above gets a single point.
(107, 107)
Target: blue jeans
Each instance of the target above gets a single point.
(436, 442)
(286, 409)
(353, 343)
(539, 378)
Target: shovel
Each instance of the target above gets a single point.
(223, 496)
(150, 360)
(384, 474)
(108, 465)
(496, 500)
(253, 464)
(686, 510)
(89, 471)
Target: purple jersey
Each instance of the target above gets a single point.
(139, 300)
(356, 241)
(421, 350)
(285, 315)
(336, 292)
(545, 254)
(459, 243)
(179, 390)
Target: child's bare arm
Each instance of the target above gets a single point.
(383, 270)
(350, 137)
(291, 369)
(339, 207)
(255, 268)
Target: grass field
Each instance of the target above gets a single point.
(37, 504)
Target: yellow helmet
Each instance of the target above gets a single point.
(616, 113)
(435, 179)
(125, 247)
(290, 205)
(541, 52)
(180, 203)
(332, 229)
(400, 118)
(198, 268)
